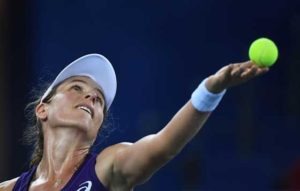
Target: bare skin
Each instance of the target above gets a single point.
(123, 166)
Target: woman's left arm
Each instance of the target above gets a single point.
(135, 163)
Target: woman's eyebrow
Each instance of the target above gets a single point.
(82, 81)
(77, 80)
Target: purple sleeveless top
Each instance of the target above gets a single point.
(84, 179)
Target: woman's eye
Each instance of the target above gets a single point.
(77, 88)
(100, 100)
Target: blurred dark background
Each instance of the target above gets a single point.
(161, 50)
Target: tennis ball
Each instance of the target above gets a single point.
(263, 52)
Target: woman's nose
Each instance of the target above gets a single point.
(91, 95)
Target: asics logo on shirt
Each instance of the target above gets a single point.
(86, 186)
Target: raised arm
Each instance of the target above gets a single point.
(134, 163)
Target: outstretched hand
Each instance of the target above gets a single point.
(234, 74)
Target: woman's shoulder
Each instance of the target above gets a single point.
(109, 152)
(8, 185)
(107, 155)
(105, 161)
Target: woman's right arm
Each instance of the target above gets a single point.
(8, 185)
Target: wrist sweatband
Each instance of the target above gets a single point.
(205, 101)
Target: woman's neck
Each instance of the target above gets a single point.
(64, 151)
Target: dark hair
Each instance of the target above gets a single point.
(33, 134)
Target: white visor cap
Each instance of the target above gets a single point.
(94, 66)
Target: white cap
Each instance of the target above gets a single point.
(94, 66)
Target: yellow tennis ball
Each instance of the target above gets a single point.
(263, 52)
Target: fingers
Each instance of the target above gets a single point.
(254, 71)
(240, 68)
(235, 74)
(261, 71)
(247, 70)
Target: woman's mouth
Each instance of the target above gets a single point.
(86, 109)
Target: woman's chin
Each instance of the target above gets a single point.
(84, 125)
(87, 128)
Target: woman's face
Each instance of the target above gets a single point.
(79, 103)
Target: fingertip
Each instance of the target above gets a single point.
(249, 62)
(265, 69)
(262, 71)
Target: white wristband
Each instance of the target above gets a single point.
(205, 101)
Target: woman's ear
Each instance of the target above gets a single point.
(41, 111)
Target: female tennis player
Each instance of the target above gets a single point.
(71, 112)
